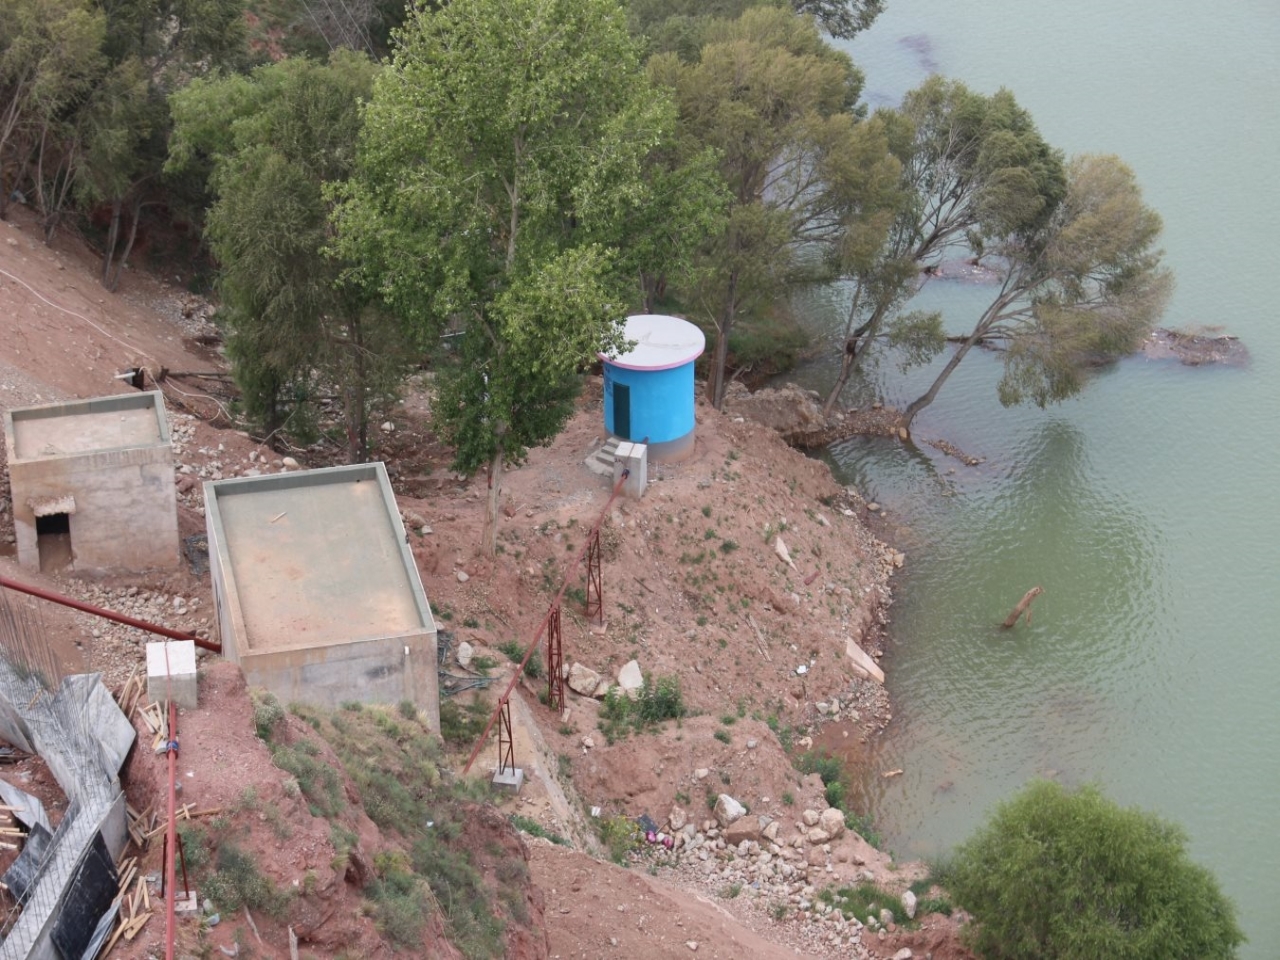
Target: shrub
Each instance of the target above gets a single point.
(267, 713)
(238, 883)
(1063, 875)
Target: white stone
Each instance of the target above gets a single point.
(810, 818)
(783, 553)
(832, 821)
(464, 654)
(631, 679)
(582, 680)
(463, 576)
(289, 463)
(909, 904)
(727, 810)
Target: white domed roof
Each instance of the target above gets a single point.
(661, 342)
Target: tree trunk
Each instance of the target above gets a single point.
(490, 538)
(113, 235)
(717, 379)
(1023, 605)
(931, 394)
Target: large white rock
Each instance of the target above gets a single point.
(909, 904)
(783, 553)
(631, 679)
(464, 653)
(583, 680)
(728, 810)
(832, 821)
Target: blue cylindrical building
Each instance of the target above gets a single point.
(648, 391)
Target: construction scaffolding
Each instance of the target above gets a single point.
(63, 882)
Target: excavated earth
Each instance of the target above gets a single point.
(745, 573)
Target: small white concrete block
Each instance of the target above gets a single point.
(511, 779)
(177, 678)
(637, 461)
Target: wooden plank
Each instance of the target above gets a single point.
(136, 924)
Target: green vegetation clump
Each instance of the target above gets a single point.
(535, 829)
(1070, 875)
(659, 700)
(267, 714)
(863, 902)
(237, 883)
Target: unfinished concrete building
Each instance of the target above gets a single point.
(317, 594)
(92, 484)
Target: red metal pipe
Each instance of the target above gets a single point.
(109, 614)
(171, 832)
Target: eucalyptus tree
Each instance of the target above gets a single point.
(974, 167)
(51, 58)
(778, 105)
(276, 140)
(1084, 284)
(503, 154)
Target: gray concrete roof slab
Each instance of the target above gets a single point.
(317, 557)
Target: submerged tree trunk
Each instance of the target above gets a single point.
(1023, 605)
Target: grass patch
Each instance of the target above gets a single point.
(267, 714)
(237, 883)
(535, 829)
(462, 724)
(864, 902)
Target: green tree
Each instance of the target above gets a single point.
(50, 60)
(1083, 284)
(499, 147)
(778, 106)
(679, 25)
(973, 167)
(1061, 875)
(277, 140)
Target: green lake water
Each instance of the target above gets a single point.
(1146, 508)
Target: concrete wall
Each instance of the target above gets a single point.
(126, 513)
(126, 509)
(383, 670)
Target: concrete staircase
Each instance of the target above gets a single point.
(601, 459)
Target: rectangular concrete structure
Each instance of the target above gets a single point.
(317, 594)
(171, 672)
(92, 484)
(633, 457)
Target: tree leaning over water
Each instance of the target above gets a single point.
(1085, 286)
(779, 106)
(973, 167)
(502, 147)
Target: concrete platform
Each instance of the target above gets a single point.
(510, 780)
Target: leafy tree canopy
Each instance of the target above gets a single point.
(502, 149)
(1069, 875)
(276, 139)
